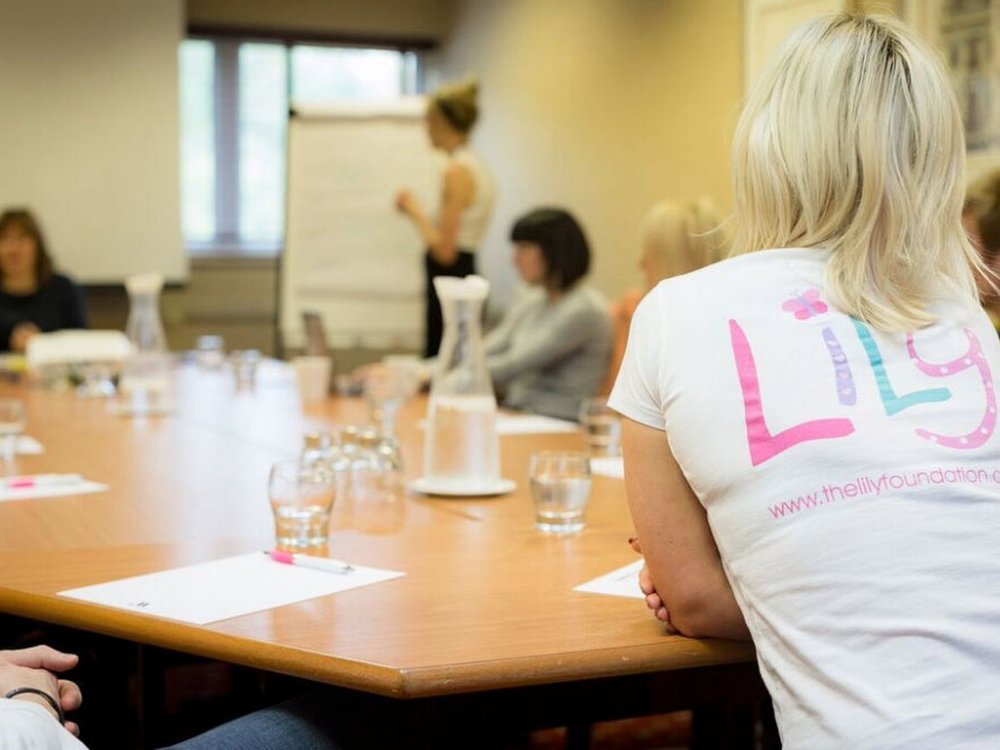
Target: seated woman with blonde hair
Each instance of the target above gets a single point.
(675, 238)
(811, 442)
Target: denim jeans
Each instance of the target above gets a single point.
(305, 723)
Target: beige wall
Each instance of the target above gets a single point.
(89, 131)
(427, 19)
(602, 106)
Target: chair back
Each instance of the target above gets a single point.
(316, 345)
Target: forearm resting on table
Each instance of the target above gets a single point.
(676, 539)
(708, 612)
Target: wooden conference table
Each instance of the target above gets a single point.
(486, 607)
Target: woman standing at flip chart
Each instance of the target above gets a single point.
(467, 198)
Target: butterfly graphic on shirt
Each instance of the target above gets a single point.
(805, 305)
(810, 304)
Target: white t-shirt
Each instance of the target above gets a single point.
(476, 216)
(852, 482)
(28, 726)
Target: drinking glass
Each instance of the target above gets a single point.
(210, 351)
(560, 488)
(313, 377)
(603, 425)
(97, 380)
(301, 498)
(244, 364)
(11, 427)
(386, 388)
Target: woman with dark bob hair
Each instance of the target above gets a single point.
(551, 350)
(33, 298)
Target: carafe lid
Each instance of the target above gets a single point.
(144, 283)
(469, 288)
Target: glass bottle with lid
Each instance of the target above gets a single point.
(461, 449)
(145, 376)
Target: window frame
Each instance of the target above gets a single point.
(226, 45)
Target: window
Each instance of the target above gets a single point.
(197, 74)
(263, 114)
(234, 99)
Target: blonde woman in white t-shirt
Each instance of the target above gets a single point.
(811, 447)
(467, 198)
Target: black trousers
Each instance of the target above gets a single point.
(464, 265)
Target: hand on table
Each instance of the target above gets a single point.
(21, 334)
(653, 600)
(37, 667)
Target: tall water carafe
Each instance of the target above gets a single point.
(145, 378)
(462, 451)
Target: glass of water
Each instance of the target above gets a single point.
(387, 387)
(560, 488)
(245, 363)
(301, 496)
(11, 427)
(603, 425)
(210, 351)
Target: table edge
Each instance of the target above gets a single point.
(393, 682)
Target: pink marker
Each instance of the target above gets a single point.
(40, 480)
(307, 561)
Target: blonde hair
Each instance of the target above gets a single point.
(678, 238)
(457, 103)
(852, 140)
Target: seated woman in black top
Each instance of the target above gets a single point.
(32, 298)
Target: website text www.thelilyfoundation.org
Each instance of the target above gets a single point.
(875, 485)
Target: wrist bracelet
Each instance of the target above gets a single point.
(41, 693)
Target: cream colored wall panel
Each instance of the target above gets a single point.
(601, 106)
(90, 131)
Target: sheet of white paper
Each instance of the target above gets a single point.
(83, 487)
(608, 466)
(621, 582)
(221, 589)
(28, 446)
(525, 424)
(532, 424)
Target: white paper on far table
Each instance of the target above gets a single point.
(221, 589)
(28, 446)
(82, 487)
(525, 424)
(621, 582)
(608, 466)
(532, 424)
